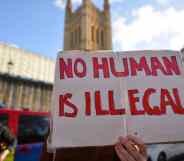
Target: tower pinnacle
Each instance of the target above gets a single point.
(86, 1)
(69, 6)
(106, 5)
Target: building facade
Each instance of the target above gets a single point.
(87, 28)
(26, 79)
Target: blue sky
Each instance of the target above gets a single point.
(37, 25)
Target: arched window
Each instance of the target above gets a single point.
(79, 33)
(76, 37)
(71, 39)
(102, 38)
(93, 33)
(97, 36)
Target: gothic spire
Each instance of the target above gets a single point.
(106, 5)
(86, 1)
(69, 6)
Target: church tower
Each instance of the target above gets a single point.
(87, 28)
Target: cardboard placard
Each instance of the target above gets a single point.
(100, 96)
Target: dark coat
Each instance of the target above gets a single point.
(81, 154)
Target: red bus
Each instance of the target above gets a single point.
(30, 128)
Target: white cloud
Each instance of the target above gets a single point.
(77, 1)
(116, 1)
(9, 44)
(163, 2)
(59, 3)
(150, 29)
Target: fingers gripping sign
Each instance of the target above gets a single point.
(131, 149)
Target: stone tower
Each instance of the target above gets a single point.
(87, 28)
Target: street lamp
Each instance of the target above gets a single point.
(182, 50)
(182, 54)
(10, 65)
